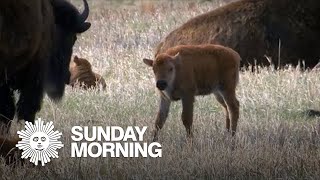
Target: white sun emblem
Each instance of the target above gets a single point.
(39, 142)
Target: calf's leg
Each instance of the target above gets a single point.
(223, 103)
(233, 107)
(161, 116)
(187, 114)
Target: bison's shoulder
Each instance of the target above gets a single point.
(206, 27)
(25, 32)
(238, 10)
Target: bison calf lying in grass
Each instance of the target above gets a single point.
(184, 71)
(82, 74)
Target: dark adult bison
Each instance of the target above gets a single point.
(36, 41)
(254, 27)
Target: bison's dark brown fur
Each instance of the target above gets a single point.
(254, 27)
(36, 41)
(26, 29)
(26, 33)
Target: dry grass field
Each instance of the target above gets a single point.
(275, 139)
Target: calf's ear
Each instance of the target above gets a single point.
(76, 60)
(148, 62)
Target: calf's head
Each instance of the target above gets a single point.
(164, 69)
(68, 23)
(82, 64)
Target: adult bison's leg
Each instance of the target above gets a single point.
(223, 103)
(161, 116)
(7, 108)
(31, 92)
(187, 113)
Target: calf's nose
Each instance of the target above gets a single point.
(161, 84)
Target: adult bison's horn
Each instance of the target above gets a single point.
(84, 15)
(83, 25)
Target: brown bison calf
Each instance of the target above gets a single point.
(184, 71)
(82, 74)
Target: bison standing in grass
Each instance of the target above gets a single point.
(264, 32)
(183, 72)
(36, 41)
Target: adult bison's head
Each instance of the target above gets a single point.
(68, 23)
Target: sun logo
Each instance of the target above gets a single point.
(39, 142)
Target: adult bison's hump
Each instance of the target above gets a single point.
(254, 28)
(25, 27)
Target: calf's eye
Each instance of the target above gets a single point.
(170, 69)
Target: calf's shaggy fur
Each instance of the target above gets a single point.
(184, 71)
(82, 74)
